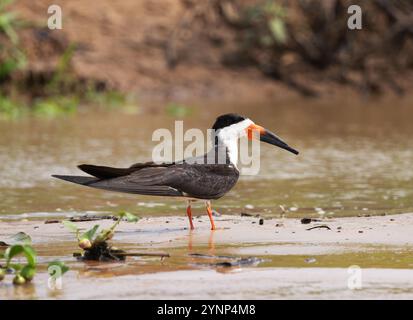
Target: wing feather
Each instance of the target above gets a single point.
(190, 180)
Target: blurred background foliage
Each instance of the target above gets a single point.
(290, 40)
(302, 44)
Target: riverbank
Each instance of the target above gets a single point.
(184, 50)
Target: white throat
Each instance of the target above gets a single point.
(228, 139)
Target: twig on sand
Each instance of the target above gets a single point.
(83, 219)
(319, 227)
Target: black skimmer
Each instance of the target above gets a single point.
(190, 178)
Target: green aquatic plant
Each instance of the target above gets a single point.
(21, 247)
(178, 110)
(50, 107)
(9, 109)
(22, 272)
(110, 99)
(55, 265)
(55, 106)
(94, 244)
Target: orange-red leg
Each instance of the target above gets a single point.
(189, 213)
(211, 219)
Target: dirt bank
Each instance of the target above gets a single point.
(185, 50)
(123, 46)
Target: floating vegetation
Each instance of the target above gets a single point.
(23, 272)
(94, 245)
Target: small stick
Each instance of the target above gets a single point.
(319, 227)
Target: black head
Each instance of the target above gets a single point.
(265, 135)
(226, 120)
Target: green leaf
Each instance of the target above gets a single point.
(18, 249)
(28, 272)
(63, 268)
(21, 238)
(90, 233)
(70, 225)
(12, 252)
(30, 255)
(129, 216)
(15, 266)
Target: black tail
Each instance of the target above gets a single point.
(77, 179)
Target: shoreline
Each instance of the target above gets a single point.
(390, 229)
(295, 263)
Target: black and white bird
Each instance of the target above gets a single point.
(191, 179)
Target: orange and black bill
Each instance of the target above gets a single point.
(269, 137)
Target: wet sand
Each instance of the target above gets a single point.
(296, 262)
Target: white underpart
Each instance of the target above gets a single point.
(228, 138)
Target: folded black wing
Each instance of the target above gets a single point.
(197, 181)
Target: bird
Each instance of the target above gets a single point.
(192, 179)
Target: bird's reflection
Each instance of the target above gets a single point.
(211, 242)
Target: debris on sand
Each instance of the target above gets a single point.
(95, 245)
(309, 220)
(250, 261)
(230, 261)
(102, 252)
(283, 210)
(261, 222)
(244, 214)
(323, 226)
(83, 219)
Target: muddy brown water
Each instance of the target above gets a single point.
(355, 160)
